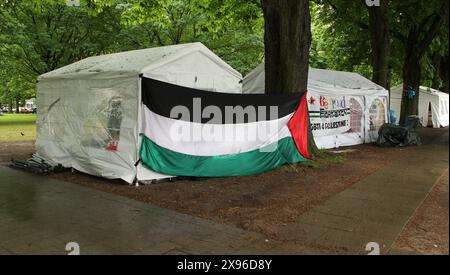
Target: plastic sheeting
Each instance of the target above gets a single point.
(397, 136)
(89, 124)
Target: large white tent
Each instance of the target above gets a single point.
(90, 113)
(345, 108)
(433, 106)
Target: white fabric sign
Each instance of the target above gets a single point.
(329, 115)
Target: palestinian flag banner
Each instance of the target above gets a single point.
(189, 132)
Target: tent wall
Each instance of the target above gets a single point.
(345, 108)
(90, 125)
(255, 81)
(444, 108)
(396, 101)
(376, 114)
(353, 120)
(438, 101)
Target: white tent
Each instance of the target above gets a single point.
(89, 113)
(433, 106)
(345, 108)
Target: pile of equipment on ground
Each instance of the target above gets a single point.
(391, 135)
(37, 165)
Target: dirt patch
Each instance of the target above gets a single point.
(15, 150)
(428, 231)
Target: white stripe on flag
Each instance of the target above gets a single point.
(198, 139)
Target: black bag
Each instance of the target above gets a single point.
(391, 135)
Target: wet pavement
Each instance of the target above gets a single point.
(377, 208)
(39, 215)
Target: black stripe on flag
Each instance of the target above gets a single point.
(161, 97)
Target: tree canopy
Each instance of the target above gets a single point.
(40, 36)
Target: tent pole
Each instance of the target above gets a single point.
(365, 118)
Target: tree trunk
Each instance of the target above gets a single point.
(411, 79)
(287, 41)
(436, 61)
(444, 74)
(380, 42)
(440, 80)
(17, 105)
(417, 44)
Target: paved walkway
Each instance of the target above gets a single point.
(40, 216)
(373, 210)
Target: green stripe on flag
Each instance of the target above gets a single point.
(168, 162)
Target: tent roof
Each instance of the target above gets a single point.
(397, 91)
(328, 78)
(133, 62)
(341, 79)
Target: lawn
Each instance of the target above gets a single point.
(17, 127)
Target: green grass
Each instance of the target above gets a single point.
(322, 159)
(12, 126)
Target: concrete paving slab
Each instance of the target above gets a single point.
(376, 208)
(295, 248)
(301, 232)
(352, 225)
(41, 215)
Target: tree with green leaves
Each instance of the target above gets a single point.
(438, 58)
(407, 36)
(232, 29)
(380, 41)
(355, 37)
(341, 36)
(418, 23)
(41, 36)
(287, 39)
